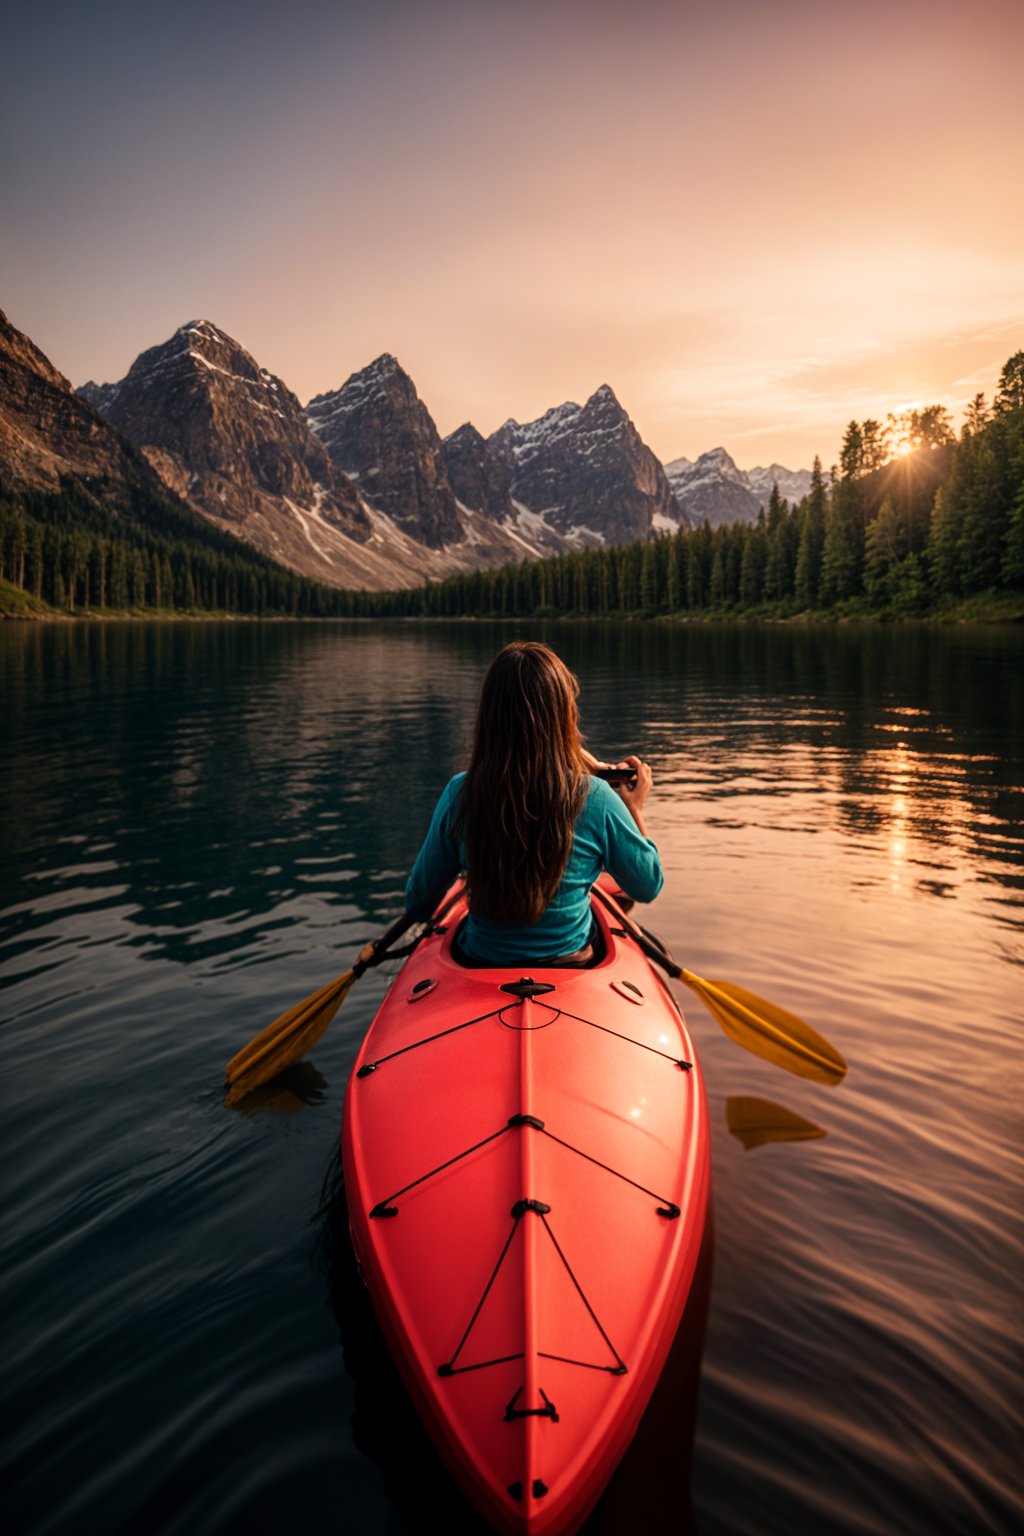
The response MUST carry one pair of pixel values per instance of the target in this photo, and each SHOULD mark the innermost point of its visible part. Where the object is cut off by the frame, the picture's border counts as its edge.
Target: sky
(754, 219)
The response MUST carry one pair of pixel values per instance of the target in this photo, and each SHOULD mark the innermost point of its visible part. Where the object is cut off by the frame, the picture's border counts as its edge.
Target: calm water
(201, 823)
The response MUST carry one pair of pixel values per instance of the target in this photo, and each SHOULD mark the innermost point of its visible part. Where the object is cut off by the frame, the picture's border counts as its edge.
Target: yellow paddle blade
(755, 1121)
(286, 1040)
(769, 1031)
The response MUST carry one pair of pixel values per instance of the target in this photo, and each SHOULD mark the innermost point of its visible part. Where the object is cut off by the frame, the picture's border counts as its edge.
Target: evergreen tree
(843, 547)
(930, 427)
(977, 416)
(811, 541)
(874, 446)
(648, 578)
(718, 590)
(753, 560)
(675, 576)
(1013, 553)
(1010, 390)
(973, 532)
(778, 572)
(698, 569)
(851, 454)
(885, 547)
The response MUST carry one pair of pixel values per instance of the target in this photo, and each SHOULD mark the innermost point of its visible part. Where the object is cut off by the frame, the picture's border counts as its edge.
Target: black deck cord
(620, 1366)
(684, 1066)
(644, 941)
(371, 1066)
(668, 1208)
(449, 1368)
(384, 1207)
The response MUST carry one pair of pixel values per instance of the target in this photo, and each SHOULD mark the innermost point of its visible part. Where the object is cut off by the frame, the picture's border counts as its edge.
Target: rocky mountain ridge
(48, 434)
(588, 472)
(712, 487)
(233, 441)
(358, 489)
(380, 434)
(478, 476)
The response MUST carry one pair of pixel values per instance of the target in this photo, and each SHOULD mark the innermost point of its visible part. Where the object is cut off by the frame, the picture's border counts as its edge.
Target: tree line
(943, 520)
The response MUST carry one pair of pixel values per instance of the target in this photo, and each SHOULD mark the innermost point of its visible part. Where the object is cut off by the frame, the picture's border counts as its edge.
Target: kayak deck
(528, 1176)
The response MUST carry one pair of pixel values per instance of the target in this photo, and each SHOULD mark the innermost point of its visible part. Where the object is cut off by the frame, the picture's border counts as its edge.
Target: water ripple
(839, 814)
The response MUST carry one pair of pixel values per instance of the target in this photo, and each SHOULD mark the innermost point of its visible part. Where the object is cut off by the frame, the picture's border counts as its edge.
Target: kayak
(526, 1155)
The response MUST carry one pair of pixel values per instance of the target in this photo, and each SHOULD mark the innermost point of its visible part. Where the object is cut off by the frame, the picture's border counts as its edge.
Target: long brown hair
(525, 784)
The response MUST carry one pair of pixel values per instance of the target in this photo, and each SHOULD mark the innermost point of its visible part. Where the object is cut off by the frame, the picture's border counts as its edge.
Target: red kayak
(527, 1168)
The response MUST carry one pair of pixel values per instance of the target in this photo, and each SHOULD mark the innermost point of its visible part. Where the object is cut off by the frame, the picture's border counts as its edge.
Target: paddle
(298, 1029)
(759, 1026)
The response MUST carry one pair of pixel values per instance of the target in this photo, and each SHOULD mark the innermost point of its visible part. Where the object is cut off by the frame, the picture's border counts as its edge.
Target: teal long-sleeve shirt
(605, 836)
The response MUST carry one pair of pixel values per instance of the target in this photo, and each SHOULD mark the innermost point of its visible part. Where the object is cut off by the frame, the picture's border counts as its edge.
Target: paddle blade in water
(295, 1088)
(755, 1121)
(286, 1040)
(768, 1030)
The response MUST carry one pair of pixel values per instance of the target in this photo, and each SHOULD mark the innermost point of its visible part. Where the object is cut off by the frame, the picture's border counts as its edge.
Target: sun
(902, 449)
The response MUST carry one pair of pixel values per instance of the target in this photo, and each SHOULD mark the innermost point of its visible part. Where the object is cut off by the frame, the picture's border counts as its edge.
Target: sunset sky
(755, 219)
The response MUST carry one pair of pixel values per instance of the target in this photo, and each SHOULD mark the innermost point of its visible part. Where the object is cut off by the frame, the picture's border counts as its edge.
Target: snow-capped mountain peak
(713, 487)
(586, 468)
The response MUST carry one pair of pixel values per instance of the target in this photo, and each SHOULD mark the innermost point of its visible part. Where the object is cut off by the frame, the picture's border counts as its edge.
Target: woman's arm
(437, 862)
(631, 857)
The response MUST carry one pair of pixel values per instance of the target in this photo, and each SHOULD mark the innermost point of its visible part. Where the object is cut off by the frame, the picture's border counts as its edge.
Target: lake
(203, 822)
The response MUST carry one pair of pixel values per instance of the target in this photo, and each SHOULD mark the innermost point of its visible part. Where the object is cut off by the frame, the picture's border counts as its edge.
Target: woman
(529, 824)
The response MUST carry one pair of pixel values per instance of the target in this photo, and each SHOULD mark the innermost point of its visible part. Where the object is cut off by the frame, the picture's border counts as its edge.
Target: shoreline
(1005, 612)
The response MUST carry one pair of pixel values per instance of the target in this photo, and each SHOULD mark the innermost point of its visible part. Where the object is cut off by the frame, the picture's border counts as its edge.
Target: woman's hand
(635, 793)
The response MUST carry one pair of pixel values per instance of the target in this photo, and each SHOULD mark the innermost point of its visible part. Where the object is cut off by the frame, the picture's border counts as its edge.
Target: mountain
(478, 476)
(232, 441)
(87, 523)
(793, 484)
(378, 431)
(587, 473)
(452, 496)
(47, 433)
(579, 475)
(714, 488)
(359, 489)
